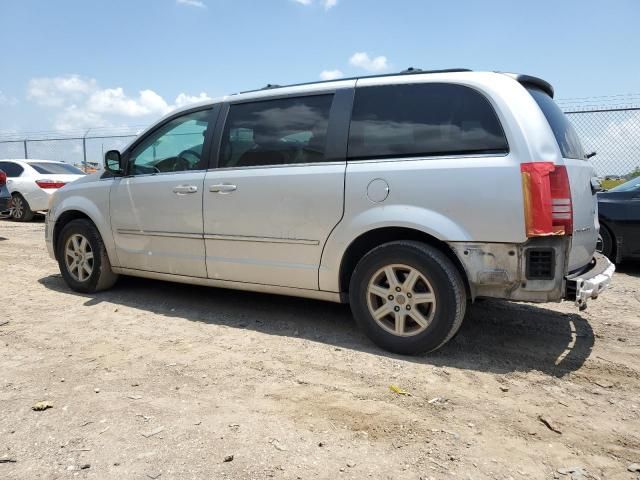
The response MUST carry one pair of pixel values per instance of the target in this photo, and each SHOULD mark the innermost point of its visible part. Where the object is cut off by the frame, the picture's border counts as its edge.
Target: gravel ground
(162, 380)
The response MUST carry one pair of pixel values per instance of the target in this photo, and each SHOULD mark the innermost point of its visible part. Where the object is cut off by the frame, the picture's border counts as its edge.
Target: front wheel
(605, 243)
(408, 297)
(82, 258)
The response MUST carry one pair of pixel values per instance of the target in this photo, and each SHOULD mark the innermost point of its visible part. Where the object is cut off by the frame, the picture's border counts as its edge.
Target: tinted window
(566, 136)
(276, 132)
(55, 168)
(423, 119)
(174, 147)
(11, 169)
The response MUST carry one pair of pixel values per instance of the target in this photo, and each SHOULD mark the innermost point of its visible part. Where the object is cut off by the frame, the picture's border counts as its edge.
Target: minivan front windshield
(633, 184)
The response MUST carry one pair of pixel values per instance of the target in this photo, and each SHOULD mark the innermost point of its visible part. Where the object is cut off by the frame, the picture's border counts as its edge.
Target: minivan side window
(174, 147)
(566, 135)
(426, 119)
(276, 132)
(12, 170)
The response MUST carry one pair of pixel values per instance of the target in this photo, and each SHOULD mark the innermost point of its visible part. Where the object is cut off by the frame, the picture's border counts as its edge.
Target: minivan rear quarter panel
(457, 198)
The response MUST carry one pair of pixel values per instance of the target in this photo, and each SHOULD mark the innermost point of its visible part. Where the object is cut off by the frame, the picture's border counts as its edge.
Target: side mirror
(113, 162)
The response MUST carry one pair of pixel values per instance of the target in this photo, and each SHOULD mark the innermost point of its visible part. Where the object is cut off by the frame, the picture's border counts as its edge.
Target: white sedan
(31, 183)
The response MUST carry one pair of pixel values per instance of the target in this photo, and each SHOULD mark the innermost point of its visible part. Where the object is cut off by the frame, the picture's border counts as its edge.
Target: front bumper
(589, 283)
(5, 203)
(48, 235)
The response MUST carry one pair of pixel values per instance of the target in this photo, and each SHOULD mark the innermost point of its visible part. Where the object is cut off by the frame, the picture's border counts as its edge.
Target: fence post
(84, 154)
(26, 153)
(84, 150)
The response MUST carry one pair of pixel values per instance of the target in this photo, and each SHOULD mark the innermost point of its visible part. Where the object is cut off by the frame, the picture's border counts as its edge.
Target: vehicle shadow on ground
(630, 267)
(497, 337)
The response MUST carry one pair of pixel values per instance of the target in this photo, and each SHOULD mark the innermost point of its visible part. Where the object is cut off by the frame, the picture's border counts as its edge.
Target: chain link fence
(613, 133)
(84, 152)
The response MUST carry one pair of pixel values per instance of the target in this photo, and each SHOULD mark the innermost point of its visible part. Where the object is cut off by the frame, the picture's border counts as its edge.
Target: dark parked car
(5, 196)
(619, 213)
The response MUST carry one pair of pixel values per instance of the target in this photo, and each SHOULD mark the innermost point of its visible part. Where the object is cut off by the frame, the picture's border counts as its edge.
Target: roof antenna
(411, 70)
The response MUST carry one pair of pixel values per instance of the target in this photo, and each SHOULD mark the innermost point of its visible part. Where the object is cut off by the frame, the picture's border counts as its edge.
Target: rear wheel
(82, 258)
(408, 297)
(20, 210)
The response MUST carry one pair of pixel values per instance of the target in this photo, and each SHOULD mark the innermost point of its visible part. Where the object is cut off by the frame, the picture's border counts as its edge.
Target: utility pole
(84, 150)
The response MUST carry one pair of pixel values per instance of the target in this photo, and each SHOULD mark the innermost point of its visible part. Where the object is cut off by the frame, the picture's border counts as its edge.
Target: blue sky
(74, 64)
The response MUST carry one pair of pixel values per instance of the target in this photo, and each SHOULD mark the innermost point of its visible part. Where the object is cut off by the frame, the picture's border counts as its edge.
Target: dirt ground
(161, 380)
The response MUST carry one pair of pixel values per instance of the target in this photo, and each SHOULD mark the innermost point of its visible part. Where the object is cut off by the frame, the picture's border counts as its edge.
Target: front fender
(93, 204)
(403, 216)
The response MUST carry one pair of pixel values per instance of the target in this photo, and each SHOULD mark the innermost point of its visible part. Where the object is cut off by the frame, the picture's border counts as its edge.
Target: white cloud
(327, 4)
(75, 118)
(192, 3)
(362, 60)
(4, 100)
(84, 104)
(115, 101)
(183, 99)
(56, 91)
(331, 74)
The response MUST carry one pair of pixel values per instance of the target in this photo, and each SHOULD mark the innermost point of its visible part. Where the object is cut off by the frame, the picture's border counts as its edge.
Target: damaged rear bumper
(534, 271)
(589, 283)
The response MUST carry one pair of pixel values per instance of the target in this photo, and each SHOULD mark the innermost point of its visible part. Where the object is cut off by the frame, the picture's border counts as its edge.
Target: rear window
(565, 134)
(425, 119)
(11, 169)
(55, 168)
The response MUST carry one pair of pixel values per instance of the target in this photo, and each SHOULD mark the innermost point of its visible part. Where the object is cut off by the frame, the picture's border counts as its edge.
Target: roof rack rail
(408, 71)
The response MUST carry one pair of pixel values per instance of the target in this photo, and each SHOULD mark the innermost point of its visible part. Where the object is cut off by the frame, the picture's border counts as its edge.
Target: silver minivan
(408, 196)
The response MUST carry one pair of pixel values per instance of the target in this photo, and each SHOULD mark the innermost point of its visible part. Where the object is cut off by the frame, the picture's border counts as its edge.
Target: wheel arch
(63, 220)
(367, 241)
(74, 212)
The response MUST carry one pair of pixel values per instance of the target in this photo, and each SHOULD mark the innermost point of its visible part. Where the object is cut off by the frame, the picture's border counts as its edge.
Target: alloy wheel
(78, 257)
(401, 300)
(17, 207)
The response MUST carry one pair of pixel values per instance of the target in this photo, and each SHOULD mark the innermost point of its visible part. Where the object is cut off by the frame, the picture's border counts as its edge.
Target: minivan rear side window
(565, 134)
(426, 119)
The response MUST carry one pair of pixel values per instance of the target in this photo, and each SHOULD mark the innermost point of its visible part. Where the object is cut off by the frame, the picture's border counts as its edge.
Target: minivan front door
(156, 211)
(278, 191)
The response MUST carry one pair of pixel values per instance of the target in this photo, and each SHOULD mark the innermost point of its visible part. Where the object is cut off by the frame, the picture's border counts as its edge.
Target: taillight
(547, 199)
(3, 178)
(561, 206)
(49, 184)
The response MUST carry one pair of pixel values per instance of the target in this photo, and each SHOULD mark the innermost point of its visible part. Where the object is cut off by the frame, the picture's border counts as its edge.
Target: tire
(606, 242)
(20, 210)
(438, 296)
(71, 248)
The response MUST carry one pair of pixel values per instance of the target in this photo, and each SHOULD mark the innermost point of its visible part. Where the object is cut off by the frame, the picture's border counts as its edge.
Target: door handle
(184, 189)
(222, 188)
